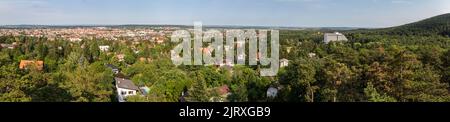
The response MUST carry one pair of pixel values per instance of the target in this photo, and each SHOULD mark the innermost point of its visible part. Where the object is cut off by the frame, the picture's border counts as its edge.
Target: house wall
(115, 71)
(284, 63)
(333, 37)
(121, 96)
(326, 39)
(127, 91)
(104, 48)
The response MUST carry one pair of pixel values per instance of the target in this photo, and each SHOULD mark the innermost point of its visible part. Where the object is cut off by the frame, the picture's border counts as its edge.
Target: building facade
(331, 37)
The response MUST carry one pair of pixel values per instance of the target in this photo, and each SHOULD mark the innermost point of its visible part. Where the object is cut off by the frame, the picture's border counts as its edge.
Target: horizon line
(210, 25)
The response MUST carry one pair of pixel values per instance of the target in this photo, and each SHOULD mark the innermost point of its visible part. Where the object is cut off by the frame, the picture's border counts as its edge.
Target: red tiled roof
(25, 63)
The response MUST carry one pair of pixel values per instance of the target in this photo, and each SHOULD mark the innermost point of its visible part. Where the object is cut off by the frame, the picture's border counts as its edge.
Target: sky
(289, 13)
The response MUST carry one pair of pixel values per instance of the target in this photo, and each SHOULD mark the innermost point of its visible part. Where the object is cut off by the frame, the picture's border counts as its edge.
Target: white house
(311, 55)
(104, 48)
(75, 39)
(331, 37)
(284, 62)
(125, 88)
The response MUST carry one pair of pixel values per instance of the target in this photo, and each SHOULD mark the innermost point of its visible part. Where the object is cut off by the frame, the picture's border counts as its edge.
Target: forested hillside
(438, 25)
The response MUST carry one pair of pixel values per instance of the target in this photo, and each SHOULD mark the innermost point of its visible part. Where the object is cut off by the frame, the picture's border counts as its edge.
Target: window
(123, 93)
(130, 92)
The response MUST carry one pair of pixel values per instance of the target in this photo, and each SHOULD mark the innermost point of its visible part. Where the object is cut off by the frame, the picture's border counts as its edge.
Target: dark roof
(112, 66)
(125, 83)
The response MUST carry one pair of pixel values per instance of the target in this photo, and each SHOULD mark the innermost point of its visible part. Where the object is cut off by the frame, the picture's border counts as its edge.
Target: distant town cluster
(76, 34)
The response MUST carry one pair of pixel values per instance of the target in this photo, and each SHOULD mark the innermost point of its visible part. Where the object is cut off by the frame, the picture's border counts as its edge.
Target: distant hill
(438, 25)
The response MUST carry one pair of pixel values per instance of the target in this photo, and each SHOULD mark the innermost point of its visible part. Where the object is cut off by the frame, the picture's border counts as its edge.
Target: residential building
(284, 62)
(114, 69)
(25, 64)
(311, 55)
(104, 48)
(331, 37)
(125, 88)
(75, 39)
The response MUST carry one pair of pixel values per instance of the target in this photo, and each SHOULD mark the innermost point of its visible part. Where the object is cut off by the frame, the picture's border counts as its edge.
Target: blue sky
(298, 13)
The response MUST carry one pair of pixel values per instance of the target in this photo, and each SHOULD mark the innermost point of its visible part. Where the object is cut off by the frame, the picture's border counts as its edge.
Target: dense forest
(409, 63)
